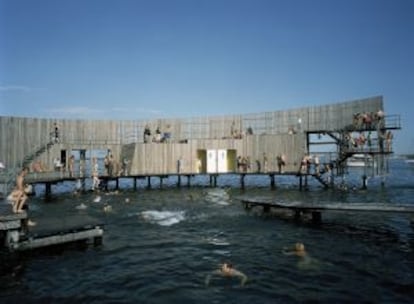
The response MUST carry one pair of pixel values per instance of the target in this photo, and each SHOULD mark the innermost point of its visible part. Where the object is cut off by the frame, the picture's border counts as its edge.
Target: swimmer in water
(227, 270)
(305, 262)
(298, 250)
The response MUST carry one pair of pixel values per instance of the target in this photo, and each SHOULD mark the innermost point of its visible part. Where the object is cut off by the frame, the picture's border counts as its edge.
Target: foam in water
(163, 218)
(218, 196)
(82, 206)
(97, 199)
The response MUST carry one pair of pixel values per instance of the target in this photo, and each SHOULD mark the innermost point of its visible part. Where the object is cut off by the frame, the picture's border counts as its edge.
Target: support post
(48, 189)
(117, 183)
(135, 183)
(364, 182)
(179, 181)
(149, 182)
(306, 182)
(316, 217)
(188, 180)
(242, 176)
(272, 181)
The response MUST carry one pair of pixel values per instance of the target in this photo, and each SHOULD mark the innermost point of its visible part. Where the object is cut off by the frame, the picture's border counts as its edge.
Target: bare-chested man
(227, 270)
(18, 195)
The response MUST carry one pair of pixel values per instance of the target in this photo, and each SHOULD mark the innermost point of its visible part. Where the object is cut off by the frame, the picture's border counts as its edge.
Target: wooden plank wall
(22, 136)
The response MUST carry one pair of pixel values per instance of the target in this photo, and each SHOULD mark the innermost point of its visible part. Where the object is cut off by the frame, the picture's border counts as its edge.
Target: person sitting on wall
(37, 167)
(157, 137)
(147, 134)
(57, 164)
(167, 135)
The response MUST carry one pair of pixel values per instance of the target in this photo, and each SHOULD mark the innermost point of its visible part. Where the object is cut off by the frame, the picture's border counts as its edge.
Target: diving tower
(211, 145)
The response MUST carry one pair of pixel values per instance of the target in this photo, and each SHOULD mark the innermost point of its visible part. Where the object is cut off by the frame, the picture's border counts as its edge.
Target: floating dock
(316, 209)
(16, 235)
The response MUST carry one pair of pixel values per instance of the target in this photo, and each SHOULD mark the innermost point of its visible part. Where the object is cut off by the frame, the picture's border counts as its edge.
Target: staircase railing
(8, 176)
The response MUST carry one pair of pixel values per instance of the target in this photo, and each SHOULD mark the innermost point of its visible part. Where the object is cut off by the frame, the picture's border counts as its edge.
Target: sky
(148, 59)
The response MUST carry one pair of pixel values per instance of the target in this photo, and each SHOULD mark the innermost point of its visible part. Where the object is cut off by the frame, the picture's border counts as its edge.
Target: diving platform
(276, 142)
(316, 209)
(17, 235)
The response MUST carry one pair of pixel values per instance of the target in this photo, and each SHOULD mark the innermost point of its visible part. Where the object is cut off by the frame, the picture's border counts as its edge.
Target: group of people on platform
(244, 164)
(369, 120)
(158, 137)
(384, 141)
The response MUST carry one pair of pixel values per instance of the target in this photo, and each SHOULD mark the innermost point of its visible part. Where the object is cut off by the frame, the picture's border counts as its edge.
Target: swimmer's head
(300, 250)
(299, 247)
(226, 267)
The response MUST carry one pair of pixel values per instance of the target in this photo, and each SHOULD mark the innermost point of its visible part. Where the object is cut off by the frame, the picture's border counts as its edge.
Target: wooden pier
(209, 146)
(16, 235)
(316, 209)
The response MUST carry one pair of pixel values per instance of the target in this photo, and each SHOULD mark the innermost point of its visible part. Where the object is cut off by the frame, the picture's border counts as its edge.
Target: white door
(222, 161)
(211, 161)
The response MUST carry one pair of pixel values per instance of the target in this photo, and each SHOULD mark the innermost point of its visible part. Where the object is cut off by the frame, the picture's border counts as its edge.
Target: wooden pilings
(213, 180)
(48, 189)
(272, 181)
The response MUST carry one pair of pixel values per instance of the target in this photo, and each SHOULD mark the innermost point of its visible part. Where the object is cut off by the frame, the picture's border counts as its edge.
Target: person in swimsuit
(227, 270)
(305, 261)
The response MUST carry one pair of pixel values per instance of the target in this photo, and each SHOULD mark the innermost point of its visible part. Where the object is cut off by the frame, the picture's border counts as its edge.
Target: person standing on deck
(95, 174)
(265, 161)
(316, 163)
(71, 165)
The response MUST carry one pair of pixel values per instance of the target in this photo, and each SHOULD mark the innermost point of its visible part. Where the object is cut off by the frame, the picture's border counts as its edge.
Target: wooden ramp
(317, 208)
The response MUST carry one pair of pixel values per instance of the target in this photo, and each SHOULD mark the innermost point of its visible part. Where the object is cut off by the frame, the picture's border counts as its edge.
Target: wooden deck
(317, 208)
(17, 236)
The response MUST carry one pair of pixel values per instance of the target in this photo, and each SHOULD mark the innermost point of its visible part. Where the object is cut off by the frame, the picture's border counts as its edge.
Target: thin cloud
(89, 112)
(19, 88)
(15, 88)
(76, 110)
(135, 110)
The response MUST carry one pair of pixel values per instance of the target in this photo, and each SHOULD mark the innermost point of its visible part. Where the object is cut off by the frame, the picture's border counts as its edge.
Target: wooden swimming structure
(270, 143)
(316, 208)
(17, 235)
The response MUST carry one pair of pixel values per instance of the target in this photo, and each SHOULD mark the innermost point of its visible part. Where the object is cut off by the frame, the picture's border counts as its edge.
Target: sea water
(160, 244)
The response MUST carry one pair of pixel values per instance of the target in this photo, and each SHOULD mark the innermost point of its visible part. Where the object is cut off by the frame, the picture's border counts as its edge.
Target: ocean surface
(160, 245)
